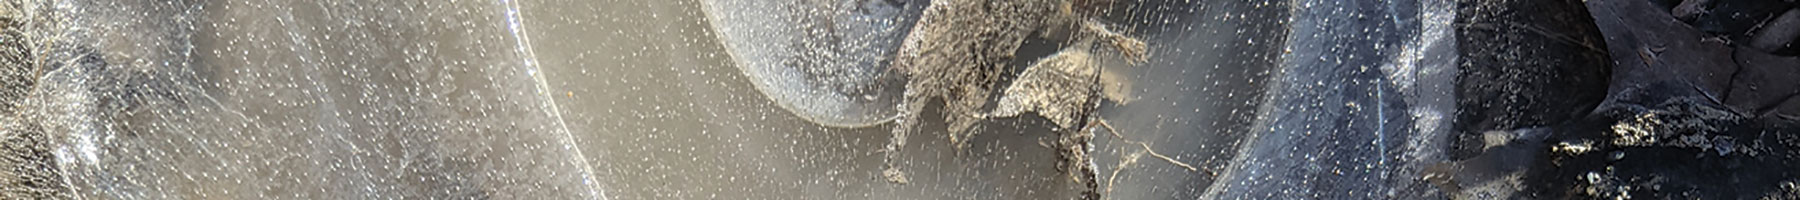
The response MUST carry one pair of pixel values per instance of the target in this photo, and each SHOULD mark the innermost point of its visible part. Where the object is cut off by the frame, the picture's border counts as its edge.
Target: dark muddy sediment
(1649, 99)
(1698, 107)
(1525, 65)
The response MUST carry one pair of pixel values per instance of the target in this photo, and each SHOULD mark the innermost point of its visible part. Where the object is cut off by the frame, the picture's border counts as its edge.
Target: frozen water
(1350, 113)
(574, 99)
(285, 99)
(826, 61)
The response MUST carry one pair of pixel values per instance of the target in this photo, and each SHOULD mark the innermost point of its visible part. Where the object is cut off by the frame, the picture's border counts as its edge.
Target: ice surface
(288, 99)
(1344, 114)
(826, 61)
(573, 99)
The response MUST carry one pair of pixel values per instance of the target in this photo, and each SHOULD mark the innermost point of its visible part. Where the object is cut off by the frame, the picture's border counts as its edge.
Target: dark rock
(1766, 86)
(1687, 10)
(1778, 33)
(1736, 18)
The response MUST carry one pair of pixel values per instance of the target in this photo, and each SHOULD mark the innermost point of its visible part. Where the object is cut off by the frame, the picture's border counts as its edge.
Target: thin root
(1127, 162)
(1153, 153)
(1147, 149)
(1132, 158)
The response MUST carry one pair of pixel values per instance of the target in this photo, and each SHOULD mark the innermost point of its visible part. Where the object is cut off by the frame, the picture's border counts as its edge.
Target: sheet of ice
(826, 61)
(1351, 111)
(250, 99)
(353, 99)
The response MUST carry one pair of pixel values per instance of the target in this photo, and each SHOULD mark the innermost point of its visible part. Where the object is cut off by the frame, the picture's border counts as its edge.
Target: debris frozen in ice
(960, 51)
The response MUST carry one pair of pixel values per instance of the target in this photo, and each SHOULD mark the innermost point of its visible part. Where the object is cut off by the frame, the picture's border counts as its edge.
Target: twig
(1129, 159)
(1110, 129)
(1153, 153)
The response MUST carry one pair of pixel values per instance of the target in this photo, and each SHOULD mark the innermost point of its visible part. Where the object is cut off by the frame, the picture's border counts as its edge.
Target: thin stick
(1128, 161)
(1190, 168)
(1171, 160)
(1111, 130)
